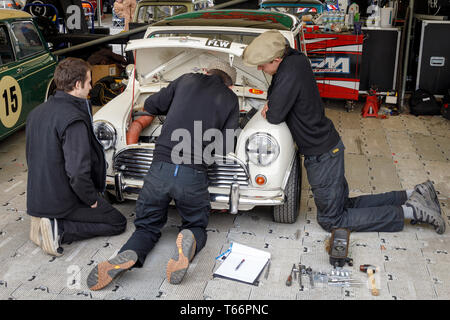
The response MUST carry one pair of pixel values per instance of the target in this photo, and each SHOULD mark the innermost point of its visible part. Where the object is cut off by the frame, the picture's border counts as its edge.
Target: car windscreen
(152, 13)
(26, 39)
(231, 36)
(6, 52)
(298, 11)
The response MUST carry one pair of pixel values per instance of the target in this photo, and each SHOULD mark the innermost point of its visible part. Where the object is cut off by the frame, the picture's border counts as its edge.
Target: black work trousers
(86, 222)
(379, 212)
(188, 187)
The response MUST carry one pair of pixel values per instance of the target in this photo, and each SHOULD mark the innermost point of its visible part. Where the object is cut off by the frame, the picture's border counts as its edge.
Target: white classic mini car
(264, 169)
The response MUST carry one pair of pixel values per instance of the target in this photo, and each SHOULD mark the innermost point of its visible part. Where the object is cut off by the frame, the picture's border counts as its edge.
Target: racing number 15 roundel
(10, 101)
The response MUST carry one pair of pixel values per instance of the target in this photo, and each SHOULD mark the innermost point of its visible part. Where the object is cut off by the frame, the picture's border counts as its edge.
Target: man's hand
(264, 110)
(94, 205)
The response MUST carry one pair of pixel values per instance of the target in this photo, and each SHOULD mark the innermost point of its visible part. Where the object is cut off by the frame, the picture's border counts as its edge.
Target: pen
(240, 263)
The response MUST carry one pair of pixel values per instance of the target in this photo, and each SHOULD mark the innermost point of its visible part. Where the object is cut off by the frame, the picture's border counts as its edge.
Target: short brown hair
(69, 71)
(225, 77)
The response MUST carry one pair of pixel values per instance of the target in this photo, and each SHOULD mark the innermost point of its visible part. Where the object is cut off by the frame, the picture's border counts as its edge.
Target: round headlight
(105, 133)
(262, 149)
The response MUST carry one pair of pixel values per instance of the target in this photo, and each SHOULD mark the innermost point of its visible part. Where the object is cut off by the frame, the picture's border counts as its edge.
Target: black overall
(294, 98)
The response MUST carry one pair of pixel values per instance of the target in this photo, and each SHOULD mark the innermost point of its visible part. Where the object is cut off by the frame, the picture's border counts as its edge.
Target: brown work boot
(179, 263)
(51, 239)
(35, 230)
(105, 272)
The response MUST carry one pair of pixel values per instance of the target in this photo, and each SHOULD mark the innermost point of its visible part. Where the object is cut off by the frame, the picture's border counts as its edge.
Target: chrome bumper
(233, 201)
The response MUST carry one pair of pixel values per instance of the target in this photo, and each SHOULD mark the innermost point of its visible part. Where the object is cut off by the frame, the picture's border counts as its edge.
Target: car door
(37, 64)
(11, 83)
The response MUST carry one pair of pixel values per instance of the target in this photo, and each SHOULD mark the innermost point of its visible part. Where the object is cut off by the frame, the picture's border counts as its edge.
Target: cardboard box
(101, 71)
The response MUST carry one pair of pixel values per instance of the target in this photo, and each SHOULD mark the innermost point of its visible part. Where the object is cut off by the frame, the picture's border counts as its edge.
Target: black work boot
(424, 212)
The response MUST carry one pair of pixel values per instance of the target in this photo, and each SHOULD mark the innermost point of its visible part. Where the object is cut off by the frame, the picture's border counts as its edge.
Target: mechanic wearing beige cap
(293, 97)
(190, 99)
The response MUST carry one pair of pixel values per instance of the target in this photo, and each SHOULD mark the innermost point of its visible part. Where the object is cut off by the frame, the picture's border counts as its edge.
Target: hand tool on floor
(370, 270)
(289, 279)
(345, 283)
(267, 270)
(302, 271)
(295, 270)
(309, 272)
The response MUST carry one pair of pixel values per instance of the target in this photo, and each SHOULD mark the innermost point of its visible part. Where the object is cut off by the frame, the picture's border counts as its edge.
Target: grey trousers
(379, 212)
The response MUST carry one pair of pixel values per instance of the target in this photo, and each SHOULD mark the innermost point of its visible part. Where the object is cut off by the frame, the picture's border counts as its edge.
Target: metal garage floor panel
(394, 124)
(427, 148)
(357, 172)
(350, 120)
(383, 174)
(352, 139)
(370, 123)
(381, 155)
(438, 126)
(375, 143)
(410, 171)
(224, 289)
(417, 125)
(439, 173)
(401, 144)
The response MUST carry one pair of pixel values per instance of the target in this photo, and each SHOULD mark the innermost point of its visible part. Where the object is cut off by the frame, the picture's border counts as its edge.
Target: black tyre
(288, 212)
(109, 197)
(43, 11)
(103, 91)
(101, 30)
(51, 90)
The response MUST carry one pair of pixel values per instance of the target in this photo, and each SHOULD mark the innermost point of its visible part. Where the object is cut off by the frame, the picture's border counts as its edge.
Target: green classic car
(26, 69)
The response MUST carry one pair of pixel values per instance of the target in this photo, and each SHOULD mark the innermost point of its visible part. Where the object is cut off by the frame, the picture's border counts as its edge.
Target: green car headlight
(105, 133)
(262, 149)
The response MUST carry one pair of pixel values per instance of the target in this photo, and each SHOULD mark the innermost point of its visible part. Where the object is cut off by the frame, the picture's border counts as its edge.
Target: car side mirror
(129, 70)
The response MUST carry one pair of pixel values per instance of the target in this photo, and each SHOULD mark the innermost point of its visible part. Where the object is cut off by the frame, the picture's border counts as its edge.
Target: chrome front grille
(135, 163)
(223, 175)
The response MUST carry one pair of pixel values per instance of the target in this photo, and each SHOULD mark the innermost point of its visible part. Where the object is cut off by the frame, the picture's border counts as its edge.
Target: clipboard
(248, 271)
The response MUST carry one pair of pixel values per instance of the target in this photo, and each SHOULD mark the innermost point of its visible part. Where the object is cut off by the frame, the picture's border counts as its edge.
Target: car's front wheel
(51, 90)
(288, 212)
(109, 197)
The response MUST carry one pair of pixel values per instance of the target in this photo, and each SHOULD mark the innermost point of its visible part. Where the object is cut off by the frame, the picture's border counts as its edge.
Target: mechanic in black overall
(191, 99)
(66, 166)
(293, 97)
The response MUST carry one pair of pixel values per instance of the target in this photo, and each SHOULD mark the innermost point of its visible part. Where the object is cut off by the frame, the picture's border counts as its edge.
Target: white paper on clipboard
(248, 272)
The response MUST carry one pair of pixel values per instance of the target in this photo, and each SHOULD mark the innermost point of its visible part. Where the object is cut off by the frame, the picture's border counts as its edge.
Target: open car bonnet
(166, 58)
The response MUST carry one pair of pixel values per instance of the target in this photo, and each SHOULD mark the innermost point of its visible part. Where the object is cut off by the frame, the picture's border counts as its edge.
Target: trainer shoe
(51, 239)
(105, 272)
(179, 263)
(427, 190)
(425, 213)
(35, 230)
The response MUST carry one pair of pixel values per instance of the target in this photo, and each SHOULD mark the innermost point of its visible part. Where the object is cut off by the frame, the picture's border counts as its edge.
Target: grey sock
(409, 193)
(408, 212)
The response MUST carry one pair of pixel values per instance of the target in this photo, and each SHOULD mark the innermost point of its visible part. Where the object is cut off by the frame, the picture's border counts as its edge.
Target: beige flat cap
(225, 67)
(264, 48)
